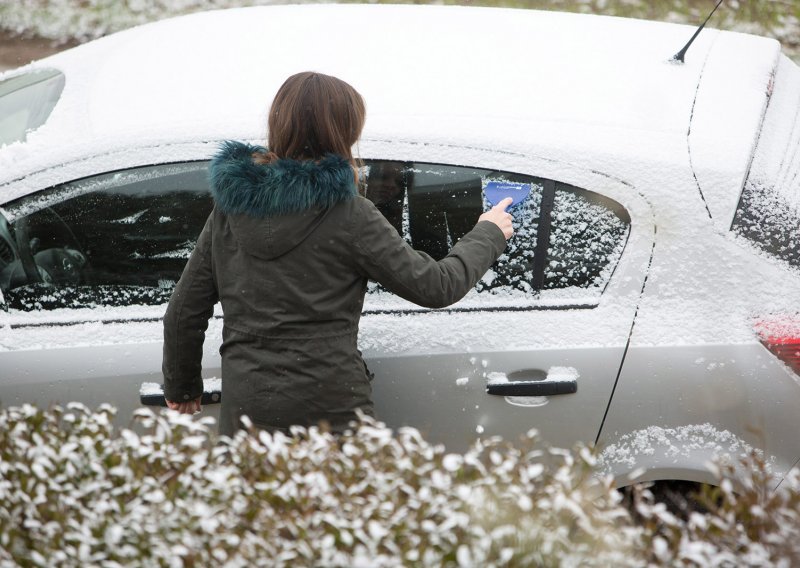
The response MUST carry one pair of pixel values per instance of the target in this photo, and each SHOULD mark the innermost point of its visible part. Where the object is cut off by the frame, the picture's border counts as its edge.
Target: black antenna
(679, 56)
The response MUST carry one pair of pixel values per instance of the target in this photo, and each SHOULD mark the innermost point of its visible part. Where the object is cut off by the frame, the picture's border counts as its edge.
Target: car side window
(116, 239)
(588, 232)
(565, 237)
(123, 238)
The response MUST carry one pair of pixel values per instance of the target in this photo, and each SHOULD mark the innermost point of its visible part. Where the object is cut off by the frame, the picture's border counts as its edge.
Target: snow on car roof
(557, 85)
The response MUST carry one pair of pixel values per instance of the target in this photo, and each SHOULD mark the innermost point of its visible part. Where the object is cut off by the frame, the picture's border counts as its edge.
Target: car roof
(555, 84)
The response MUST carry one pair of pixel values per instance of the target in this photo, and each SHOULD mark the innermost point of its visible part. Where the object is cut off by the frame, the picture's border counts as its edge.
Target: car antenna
(679, 56)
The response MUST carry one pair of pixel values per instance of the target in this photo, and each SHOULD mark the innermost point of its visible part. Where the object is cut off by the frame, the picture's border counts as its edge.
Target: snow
(131, 219)
(778, 329)
(210, 385)
(109, 181)
(720, 163)
(669, 444)
(562, 374)
(443, 332)
(210, 99)
(150, 389)
(184, 250)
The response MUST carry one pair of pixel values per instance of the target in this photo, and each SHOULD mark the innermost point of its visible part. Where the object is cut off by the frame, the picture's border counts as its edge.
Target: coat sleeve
(186, 321)
(387, 258)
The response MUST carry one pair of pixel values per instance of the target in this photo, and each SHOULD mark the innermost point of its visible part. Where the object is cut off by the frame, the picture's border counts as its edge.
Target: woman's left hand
(191, 407)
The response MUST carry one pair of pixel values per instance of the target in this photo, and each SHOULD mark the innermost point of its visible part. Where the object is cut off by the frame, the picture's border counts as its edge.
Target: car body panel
(446, 398)
(739, 397)
(92, 362)
(695, 338)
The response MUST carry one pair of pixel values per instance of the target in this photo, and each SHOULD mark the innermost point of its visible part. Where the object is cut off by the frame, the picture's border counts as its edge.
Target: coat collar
(240, 186)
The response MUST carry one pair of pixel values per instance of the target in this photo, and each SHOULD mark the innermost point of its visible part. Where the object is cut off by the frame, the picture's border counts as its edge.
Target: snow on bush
(64, 20)
(75, 492)
(744, 521)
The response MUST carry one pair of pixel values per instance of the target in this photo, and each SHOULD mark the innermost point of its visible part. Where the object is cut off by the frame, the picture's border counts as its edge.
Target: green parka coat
(287, 251)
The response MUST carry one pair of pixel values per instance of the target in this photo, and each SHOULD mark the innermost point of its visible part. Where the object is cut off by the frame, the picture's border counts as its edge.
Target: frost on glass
(586, 240)
(432, 206)
(512, 274)
(114, 240)
(768, 214)
(48, 297)
(131, 219)
(770, 219)
(182, 251)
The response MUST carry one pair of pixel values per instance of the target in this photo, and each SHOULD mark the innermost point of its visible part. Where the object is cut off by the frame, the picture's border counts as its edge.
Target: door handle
(535, 382)
(152, 394)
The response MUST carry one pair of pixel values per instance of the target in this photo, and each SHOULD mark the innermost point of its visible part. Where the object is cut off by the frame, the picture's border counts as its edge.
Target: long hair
(313, 115)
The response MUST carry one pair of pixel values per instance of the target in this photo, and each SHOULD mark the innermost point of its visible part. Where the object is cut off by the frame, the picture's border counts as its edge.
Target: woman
(288, 250)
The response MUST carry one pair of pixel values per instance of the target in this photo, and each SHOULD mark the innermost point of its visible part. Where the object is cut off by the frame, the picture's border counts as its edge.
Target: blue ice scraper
(496, 191)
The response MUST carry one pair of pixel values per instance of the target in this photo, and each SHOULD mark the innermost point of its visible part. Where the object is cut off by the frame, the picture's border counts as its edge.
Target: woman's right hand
(500, 217)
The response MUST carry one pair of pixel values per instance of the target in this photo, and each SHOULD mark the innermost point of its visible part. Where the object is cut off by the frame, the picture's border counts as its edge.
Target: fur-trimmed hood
(273, 207)
(239, 185)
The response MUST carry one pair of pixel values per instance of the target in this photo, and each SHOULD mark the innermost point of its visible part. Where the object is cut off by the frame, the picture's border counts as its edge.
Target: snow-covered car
(648, 302)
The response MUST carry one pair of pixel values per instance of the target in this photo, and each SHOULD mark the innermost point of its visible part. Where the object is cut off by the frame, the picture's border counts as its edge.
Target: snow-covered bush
(744, 521)
(64, 20)
(75, 492)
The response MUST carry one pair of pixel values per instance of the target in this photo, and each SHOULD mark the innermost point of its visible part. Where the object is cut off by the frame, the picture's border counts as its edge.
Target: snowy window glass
(116, 239)
(768, 215)
(586, 239)
(770, 219)
(432, 206)
(26, 102)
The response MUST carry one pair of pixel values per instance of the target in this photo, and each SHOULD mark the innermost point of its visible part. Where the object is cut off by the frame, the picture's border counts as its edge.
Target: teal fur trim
(239, 185)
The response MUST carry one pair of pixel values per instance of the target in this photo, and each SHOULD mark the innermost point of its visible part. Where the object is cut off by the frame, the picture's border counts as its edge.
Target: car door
(112, 246)
(86, 268)
(539, 342)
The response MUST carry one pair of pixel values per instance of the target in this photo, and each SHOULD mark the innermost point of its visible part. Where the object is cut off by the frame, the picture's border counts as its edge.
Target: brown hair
(313, 115)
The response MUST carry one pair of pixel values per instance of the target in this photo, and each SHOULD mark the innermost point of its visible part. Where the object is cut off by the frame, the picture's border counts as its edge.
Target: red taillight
(782, 337)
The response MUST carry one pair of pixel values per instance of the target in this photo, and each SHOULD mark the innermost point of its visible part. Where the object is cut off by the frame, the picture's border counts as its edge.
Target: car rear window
(768, 214)
(26, 102)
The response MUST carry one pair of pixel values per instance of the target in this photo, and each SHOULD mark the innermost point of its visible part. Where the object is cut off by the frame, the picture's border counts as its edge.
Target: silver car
(648, 302)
